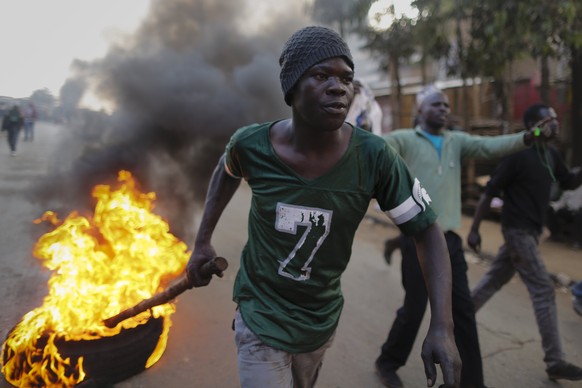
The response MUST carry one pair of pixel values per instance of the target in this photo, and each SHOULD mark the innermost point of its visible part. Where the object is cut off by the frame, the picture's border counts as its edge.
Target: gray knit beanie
(427, 91)
(307, 47)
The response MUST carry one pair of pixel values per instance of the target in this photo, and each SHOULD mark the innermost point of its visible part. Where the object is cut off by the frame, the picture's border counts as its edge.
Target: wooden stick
(213, 267)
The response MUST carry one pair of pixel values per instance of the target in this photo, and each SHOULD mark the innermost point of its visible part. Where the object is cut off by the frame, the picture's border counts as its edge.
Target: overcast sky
(40, 38)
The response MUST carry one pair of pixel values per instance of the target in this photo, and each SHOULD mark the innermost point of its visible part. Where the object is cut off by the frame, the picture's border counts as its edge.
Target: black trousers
(13, 138)
(397, 348)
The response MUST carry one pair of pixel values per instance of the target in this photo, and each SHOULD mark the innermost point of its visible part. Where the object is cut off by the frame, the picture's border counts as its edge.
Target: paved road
(200, 350)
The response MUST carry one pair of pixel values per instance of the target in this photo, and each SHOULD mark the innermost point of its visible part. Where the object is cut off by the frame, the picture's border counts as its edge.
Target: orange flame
(100, 266)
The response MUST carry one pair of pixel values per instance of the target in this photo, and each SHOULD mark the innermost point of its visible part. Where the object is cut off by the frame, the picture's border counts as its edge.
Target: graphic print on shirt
(312, 226)
(420, 195)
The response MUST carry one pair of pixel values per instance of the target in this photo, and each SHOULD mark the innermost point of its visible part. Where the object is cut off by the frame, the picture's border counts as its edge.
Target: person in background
(524, 182)
(29, 115)
(312, 177)
(392, 244)
(365, 112)
(433, 154)
(12, 123)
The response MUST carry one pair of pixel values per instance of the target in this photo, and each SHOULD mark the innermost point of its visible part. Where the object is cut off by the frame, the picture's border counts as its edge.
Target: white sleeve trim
(404, 212)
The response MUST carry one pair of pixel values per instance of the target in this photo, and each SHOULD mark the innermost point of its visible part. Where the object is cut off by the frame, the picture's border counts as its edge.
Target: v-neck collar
(304, 180)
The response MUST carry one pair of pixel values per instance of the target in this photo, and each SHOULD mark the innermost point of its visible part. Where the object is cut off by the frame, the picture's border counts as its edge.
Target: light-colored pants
(520, 254)
(260, 365)
(28, 130)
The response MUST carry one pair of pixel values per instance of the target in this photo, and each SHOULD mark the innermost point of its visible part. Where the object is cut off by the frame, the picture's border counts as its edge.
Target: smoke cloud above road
(193, 72)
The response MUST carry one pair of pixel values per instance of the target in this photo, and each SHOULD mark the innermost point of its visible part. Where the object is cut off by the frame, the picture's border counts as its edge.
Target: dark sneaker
(564, 371)
(388, 377)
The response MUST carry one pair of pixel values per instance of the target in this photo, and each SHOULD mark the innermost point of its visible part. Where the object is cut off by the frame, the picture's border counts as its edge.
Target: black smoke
(194, 72)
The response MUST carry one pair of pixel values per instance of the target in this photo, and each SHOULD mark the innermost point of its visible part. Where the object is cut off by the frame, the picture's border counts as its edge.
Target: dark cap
(307, 47)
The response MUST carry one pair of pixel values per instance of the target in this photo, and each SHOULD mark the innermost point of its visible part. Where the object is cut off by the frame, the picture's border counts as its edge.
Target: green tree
(488, 37)
(553, 31)
(391, 47)
(431, 32)
(498, 38)
(544, 22)
(425, 34)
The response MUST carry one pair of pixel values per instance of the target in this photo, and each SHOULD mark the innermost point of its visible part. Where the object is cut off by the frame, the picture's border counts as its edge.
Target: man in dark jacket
(524, 181)
(12, 123)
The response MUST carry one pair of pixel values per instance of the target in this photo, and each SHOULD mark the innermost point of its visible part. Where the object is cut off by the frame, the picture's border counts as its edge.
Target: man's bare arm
(220, 191)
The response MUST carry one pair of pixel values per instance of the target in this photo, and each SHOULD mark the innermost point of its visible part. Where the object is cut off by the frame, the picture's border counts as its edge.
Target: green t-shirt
(300, 232)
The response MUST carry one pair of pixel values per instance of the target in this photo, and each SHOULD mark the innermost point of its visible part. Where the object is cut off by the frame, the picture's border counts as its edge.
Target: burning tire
(106, 360)
(109, 360)
(121, 253)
